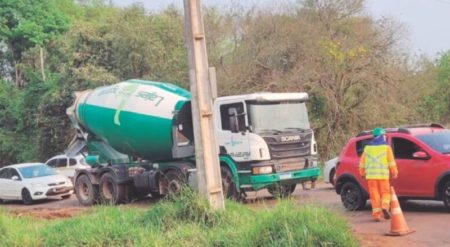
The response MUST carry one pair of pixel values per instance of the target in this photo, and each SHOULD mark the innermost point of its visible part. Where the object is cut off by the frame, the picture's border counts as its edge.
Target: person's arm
(362, 168)
(391, 161)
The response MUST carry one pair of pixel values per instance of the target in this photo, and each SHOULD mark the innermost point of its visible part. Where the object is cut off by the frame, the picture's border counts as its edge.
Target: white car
(67, 166)
(32, 181)
(329, 170)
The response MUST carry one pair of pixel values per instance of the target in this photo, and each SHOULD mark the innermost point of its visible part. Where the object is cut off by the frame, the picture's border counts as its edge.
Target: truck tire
(110, 191)
(352, 197)
(281, 191)
(86, 192)
(172, 182)
(228, 185)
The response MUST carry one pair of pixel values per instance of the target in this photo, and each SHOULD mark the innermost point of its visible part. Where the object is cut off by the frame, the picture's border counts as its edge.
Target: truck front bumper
(256, 182)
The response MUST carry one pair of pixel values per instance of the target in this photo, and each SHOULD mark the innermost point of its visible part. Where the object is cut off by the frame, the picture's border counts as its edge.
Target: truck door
(232, 134)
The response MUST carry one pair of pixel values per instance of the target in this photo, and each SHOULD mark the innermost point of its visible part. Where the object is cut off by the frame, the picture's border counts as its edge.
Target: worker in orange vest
(377, 164)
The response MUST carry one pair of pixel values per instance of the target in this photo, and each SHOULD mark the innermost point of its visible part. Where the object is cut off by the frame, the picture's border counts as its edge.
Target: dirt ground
(429, 219)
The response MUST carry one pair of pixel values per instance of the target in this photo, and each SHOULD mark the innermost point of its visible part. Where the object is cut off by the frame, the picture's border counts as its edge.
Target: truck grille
(289, 167)
(289, 150)
(289, 145)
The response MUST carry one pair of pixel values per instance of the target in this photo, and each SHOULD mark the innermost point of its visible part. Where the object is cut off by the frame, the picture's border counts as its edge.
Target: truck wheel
(26, 197)
(228, 184)
(352, 197)
(87, 194)
(281, 191)
(172, 182)
(110, 191)
(446, 195)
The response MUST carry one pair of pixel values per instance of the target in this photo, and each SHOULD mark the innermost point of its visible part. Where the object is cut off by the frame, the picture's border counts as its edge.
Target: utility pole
(206, 149)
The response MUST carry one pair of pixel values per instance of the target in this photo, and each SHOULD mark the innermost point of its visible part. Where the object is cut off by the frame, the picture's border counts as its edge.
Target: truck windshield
(439, 141)
(278, 116)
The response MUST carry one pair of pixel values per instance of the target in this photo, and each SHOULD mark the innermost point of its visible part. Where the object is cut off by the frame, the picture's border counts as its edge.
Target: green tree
(25, 24)
(436, 105)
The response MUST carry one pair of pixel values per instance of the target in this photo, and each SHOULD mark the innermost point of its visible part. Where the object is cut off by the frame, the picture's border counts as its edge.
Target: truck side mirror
(233, 120)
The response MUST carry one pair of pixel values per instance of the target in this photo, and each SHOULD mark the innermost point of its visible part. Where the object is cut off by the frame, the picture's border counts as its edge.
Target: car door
(413, 177)
(9, 184)
(62, 166)
(3, 183)
(73, 165)
(16, 185)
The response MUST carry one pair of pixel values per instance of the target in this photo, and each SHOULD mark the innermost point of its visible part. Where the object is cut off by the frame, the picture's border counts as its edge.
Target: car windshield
(439, 141)
(278, 116)
(38, 170)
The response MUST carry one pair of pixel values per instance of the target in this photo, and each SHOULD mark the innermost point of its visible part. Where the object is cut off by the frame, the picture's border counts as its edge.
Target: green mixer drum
(135, 117)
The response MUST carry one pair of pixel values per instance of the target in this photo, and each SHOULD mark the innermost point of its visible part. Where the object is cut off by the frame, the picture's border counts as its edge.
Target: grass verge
(184, 221)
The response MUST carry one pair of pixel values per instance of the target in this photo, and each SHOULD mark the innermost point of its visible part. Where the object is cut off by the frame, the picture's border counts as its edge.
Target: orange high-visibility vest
(377, 162)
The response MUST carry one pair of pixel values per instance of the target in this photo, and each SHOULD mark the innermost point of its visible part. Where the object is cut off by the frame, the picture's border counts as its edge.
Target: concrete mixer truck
(138, 139)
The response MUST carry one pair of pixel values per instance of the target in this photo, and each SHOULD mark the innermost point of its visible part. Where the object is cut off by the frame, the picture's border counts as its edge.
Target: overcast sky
(427, 21)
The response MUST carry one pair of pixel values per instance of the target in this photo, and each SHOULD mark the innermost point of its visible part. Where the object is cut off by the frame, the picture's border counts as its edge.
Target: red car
(422, 153)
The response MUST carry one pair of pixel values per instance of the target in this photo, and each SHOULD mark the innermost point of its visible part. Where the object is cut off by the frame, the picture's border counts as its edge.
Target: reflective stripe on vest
(376, 164)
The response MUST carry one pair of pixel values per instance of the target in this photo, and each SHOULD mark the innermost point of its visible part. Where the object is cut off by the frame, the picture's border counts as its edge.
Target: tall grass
(183, 221)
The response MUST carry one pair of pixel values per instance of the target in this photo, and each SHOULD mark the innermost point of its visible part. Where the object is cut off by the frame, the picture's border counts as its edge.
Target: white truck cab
(266, 129)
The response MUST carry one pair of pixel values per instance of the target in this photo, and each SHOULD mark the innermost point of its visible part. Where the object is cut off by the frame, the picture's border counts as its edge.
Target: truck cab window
(232, 114)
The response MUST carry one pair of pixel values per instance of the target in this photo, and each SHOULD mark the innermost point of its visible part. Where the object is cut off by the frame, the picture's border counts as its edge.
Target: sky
(427, 22)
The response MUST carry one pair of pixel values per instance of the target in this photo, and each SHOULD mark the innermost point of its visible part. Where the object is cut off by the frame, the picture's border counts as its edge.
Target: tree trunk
(42, 63)
(17, 74)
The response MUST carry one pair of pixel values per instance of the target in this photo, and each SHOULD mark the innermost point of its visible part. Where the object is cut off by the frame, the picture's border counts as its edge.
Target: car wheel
(281, 191)
(26, 197)
(352, 197)
(446, 195)
(172, 182)
(228, 185)
(110, 191)
(332, 173)
(87, 194)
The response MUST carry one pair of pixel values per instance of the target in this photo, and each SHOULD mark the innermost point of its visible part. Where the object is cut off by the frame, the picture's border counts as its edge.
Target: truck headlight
(262, 169)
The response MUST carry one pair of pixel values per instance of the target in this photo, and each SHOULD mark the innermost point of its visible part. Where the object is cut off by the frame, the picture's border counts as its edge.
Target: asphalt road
(428, 218)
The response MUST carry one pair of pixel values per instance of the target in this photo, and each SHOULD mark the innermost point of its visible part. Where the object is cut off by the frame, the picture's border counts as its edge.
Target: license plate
(285, 176)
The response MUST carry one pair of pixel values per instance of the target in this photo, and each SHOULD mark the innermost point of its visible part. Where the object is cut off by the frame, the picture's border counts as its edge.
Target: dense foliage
(353, 66)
